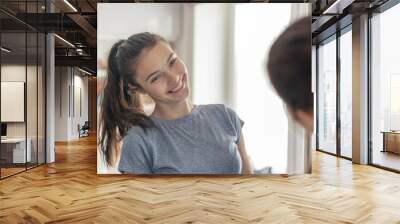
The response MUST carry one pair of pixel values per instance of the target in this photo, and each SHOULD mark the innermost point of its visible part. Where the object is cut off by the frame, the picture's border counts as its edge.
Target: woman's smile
(180, 86)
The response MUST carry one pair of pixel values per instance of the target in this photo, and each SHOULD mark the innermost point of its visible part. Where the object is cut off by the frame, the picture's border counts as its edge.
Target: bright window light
(265, 130)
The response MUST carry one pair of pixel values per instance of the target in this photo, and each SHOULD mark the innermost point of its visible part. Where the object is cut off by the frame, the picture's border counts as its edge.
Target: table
(391, 141)
(13, 150)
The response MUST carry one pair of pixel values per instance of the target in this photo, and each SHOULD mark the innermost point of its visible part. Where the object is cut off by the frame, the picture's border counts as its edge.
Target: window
(327, 96)
(346, 93)
(265, 130)
(385, 89)
(23, 76)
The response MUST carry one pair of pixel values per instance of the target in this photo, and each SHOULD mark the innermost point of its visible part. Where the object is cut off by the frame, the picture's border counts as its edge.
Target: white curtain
(299, 147)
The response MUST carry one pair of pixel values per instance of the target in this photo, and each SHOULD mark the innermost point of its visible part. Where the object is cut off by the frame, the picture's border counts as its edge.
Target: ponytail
(121, 107)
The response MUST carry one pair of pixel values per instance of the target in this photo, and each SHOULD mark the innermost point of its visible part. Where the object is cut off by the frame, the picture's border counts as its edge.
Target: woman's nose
(172, 77)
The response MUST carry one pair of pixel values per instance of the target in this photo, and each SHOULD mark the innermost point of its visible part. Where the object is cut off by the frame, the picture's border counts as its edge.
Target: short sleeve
(134, 157)
(236, 122)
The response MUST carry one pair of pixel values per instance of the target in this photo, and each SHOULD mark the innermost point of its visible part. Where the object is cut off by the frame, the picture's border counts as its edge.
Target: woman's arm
(246, 163)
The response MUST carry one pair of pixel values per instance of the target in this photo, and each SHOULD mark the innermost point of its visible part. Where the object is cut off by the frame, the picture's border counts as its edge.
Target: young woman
(178, 137)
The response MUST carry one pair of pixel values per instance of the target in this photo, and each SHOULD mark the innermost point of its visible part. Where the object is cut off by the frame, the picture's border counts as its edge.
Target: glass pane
(31, 86)
(41, 6)
(13, 85)
(31, 97)
(385, 84)
(346, 94)
(22, 67)
(327, 97)
(41, 98)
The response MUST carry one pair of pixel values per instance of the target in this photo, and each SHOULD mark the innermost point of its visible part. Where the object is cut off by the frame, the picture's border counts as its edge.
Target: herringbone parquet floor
(70, 191)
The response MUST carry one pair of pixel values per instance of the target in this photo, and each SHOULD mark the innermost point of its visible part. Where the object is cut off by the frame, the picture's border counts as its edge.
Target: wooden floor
(10, 171)
(70, 191)
(387, 159)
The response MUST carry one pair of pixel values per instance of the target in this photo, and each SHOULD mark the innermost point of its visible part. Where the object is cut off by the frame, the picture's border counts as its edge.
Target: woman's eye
(157, 77)
(172, 62)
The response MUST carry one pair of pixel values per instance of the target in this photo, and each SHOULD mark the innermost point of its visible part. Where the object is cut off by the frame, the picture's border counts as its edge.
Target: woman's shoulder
(221, 112)
(137, 134)
(219, 108)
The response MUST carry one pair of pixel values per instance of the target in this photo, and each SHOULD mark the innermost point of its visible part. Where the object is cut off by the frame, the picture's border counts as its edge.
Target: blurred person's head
(289, 70)
(145, 63)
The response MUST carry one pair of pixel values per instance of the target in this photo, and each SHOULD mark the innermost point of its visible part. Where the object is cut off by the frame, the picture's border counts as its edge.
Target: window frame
(333, 37)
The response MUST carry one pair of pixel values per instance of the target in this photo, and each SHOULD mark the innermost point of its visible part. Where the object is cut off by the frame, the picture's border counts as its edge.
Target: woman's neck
(172, 112)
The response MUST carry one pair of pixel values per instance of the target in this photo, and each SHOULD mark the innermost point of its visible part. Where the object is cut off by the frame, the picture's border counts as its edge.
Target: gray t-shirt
(203, 142)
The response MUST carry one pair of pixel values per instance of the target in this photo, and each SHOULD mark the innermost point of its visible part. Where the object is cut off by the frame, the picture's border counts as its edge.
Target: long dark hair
(289, 66)
(121, 106)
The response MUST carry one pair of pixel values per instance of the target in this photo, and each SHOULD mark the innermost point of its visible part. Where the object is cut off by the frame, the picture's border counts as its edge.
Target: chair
(84, 130)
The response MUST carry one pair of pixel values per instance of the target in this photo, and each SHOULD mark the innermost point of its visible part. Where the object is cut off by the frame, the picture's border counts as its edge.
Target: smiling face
(162, 74)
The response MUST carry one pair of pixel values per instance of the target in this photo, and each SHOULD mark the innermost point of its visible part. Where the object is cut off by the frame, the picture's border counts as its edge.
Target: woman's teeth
(179, 87)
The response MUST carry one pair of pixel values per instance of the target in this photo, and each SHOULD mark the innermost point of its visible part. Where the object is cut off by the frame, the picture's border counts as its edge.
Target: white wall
(12, 73)
(185, 39)
(80, 83)
(67, 80)
(163, 19)
(50, 95)
(210, 43)
(266, 127)
(61, 103)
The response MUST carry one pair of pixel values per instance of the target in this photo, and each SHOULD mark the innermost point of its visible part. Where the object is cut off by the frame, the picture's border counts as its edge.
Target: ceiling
(328, 16)
(76, 22)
